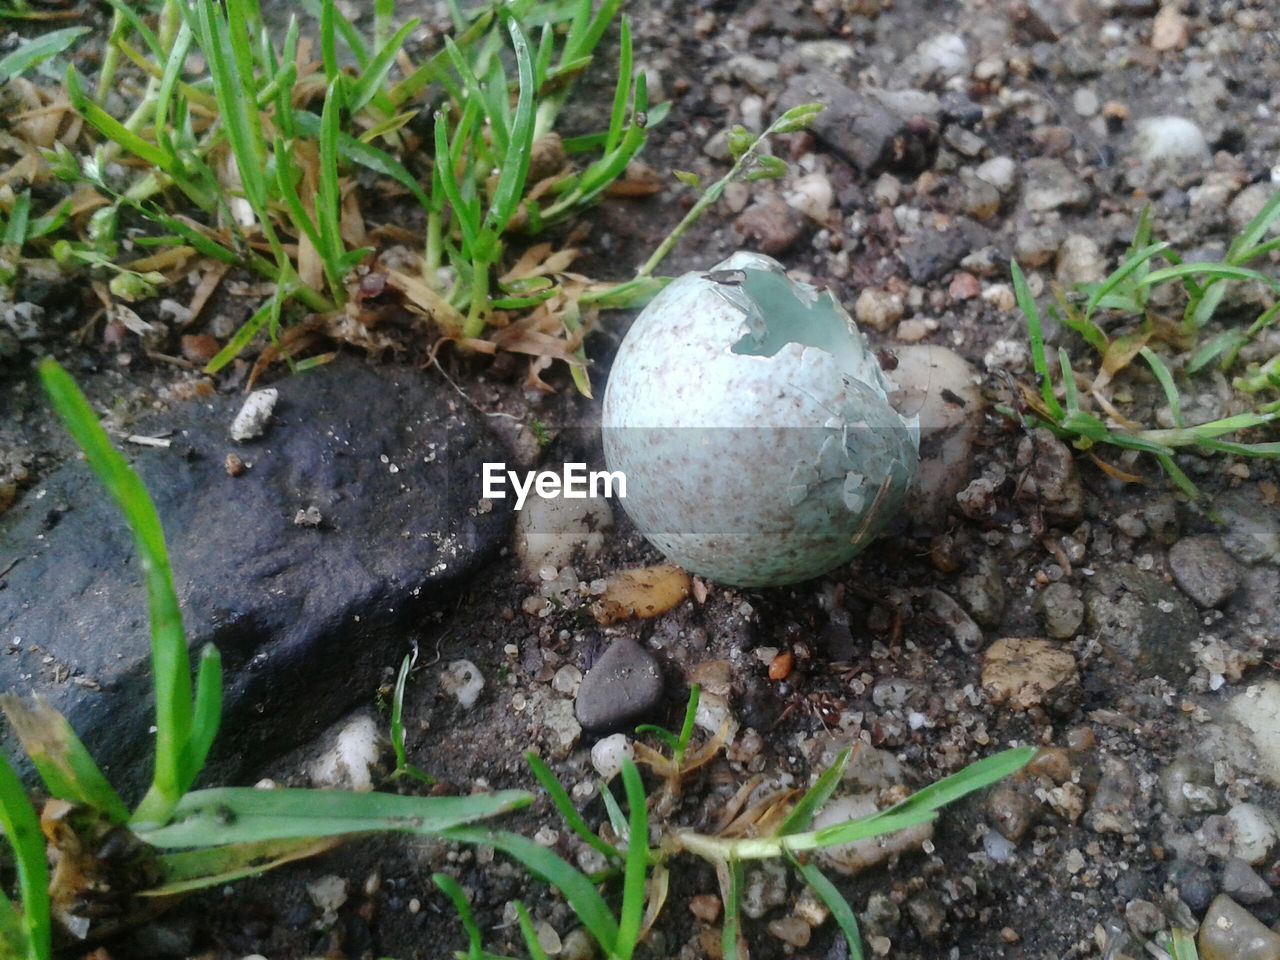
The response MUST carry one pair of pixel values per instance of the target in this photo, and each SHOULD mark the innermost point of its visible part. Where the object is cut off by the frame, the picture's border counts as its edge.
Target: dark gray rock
(1061, 608)
(931, 253)
(1204, 570)
(1144, 623)
(1194, 884)
(624, 684)
(1242, 884)
(305, 617)
(857, 125)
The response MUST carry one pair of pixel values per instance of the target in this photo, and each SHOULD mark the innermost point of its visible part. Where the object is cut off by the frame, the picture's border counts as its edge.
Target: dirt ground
(1048, 868)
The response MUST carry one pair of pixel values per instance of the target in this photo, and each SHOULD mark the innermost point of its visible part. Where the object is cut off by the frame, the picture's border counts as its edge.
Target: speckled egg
(753, 427)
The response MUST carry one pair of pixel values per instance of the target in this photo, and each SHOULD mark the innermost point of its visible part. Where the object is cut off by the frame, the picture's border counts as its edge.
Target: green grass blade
(22, 829)
(328, 194)
(666, 736)
(1180, 479)
(267, 315)
(170, 664)
(172, 74)
(1165, 378)
(838, 905)
(633, 886)
(1184, 948)
(33, 52)
(114, 130)
(530, 935)
(433, 69)
(690, 719)
(451, 888)
(241, 815)
(1039, 362)
(139, 26)
(732, 911)
(448, 182)
(801, 816)
(569, 813)
(67, 769)
(15, 231)
(617, 819)
(515, 166)
(1219, 271)
(1242, 248)
(1070, 395)
(1223, 343)
(14, 942)
(370, 82)
(354, 151)
(1132, 264)
(576, 887)
(621, 92)
(206, 715)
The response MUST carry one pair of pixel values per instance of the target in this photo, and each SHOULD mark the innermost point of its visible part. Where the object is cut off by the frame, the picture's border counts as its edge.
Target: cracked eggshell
(754, 428)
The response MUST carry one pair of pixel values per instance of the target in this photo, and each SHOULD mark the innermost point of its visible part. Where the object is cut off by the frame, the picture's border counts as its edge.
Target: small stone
(983, 594)
(764, 888)
(1248, 203)
(1144, 917)
(964, 286)
(1243, 885)
(980, 199)
(912, 330)
(1170, 30)
(943, 56)
(1144, 624)
(328, 893)
(940, 388)
(928, 916)
(578, 945)
(1085, 102)
(1187, 787)
(349, 756)
(887, 190)
(1053, 483)
(463, 679)
(1036, 246)
(1172, 142)
(1051, 185)
(813, 196)
(1080, 260)
(199, 347)
(1062, 609)
(1204, 570)
(791, 930)
(931, 253)
(964, 142)
(878, 309)
(1257, 709)
(1254, 833)
(624, 684)
(548, 939)
(560, 730)
(1011, 811)
(771, 225)
(566, 680)
(252, 419)
(706, 907)
(1194, 883)
(1112, 808)
(1000, 172)
(1230, 932)
(607, 755)
(1023, 671)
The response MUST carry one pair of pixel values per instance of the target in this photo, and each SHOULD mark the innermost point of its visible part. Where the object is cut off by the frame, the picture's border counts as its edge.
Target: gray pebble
(625, 683)
(1204, 570)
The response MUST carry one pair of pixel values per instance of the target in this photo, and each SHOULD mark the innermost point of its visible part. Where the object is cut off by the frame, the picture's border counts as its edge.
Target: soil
(874, 660)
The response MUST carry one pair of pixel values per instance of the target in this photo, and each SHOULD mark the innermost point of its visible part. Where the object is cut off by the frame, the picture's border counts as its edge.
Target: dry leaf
(642, 593)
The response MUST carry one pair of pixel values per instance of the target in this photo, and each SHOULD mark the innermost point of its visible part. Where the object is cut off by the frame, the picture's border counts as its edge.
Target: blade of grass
(1166, 383)
(243, 815)
(190, 870)
(31, 53)
(732, 908)
(1027, 304)
(576, 887)
(66, 768)
(374, 76)
(171, 668)
(206, 715)
(568, 812)
(631, 915)
(838, 905)
(455, 893)
(530, 935)
(815, 798)
(22, 830)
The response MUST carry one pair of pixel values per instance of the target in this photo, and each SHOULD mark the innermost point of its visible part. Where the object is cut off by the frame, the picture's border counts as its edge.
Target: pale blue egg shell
(753, 470)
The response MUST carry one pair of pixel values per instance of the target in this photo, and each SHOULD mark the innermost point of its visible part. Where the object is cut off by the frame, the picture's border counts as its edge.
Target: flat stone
(623, 685)
(1204, 570)
(1024, 671)
(856, 124)
(1143, 623)
(1049, 184)
(306, 617)
(931, 253)
(1242, 884)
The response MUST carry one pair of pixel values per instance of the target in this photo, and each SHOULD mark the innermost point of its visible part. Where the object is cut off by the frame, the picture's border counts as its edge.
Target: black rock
(624, 684)
(305, 617)
(931, 253)
(1143, 623)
